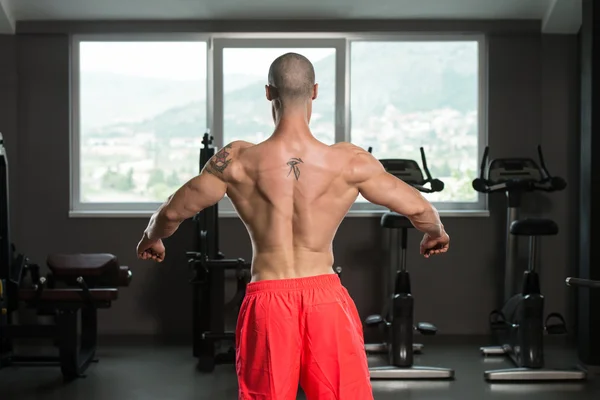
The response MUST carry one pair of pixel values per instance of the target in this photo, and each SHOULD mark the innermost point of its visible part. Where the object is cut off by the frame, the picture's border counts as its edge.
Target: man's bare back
(292, 196)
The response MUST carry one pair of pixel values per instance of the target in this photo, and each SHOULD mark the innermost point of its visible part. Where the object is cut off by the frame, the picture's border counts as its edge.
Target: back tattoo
(293, 163)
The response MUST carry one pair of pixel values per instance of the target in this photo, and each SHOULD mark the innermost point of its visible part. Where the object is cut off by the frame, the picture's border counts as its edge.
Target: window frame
(215, 43)
(76, 206)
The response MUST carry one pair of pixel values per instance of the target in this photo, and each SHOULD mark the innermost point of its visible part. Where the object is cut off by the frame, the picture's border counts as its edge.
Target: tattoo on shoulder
(293, 164)
(219, 161)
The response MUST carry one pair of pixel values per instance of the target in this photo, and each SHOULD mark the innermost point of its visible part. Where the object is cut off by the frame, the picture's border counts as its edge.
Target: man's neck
(292, 123)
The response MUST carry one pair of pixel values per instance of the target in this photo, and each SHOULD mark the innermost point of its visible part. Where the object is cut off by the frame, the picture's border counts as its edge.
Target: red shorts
(306, 331)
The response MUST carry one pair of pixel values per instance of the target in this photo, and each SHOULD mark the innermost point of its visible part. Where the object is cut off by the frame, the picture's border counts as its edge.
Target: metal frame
(400, 346)
(75, 328)
(215, 44)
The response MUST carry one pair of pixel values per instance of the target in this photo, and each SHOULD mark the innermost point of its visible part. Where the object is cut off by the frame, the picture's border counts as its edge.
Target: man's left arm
(197, 194)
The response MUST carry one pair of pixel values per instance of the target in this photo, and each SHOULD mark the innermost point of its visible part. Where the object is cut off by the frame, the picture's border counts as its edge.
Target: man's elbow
(170, 215)
(422, 208)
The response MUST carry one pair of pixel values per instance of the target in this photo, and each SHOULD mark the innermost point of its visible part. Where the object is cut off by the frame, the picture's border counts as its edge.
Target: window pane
(142, 117)
(405, 95)
(246, 111)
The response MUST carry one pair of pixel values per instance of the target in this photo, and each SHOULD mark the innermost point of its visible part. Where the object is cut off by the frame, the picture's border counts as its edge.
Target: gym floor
(148, 371)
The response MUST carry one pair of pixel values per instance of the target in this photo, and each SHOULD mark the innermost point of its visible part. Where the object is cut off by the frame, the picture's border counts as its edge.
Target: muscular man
(297, 323)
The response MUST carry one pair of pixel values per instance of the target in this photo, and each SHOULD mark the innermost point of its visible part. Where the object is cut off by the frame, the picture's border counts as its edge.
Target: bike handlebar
(551, 184)
(548, 183)
(583, 283)
(436, 185)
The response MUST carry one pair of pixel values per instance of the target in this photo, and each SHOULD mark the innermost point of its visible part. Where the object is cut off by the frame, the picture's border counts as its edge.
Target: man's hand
(151, 249)
(431, 246)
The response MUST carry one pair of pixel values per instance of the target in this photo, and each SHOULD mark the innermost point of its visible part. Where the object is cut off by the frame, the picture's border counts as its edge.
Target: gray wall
(560, 139)
(8, 110)
(532, 92)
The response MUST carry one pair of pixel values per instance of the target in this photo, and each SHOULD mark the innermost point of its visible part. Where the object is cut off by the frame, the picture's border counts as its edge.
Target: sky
(179, 60)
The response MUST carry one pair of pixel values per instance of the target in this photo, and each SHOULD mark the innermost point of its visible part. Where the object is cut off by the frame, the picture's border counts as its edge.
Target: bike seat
(392, 220)
(534, 227)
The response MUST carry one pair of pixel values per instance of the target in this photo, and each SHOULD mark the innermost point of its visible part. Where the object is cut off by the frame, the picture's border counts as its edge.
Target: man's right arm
(379, 187)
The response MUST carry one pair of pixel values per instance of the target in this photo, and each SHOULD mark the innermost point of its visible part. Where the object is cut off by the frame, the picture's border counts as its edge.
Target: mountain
(417, 76)
(115, 98)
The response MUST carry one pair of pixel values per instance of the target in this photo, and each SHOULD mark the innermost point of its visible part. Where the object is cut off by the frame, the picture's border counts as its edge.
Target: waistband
(311, 282)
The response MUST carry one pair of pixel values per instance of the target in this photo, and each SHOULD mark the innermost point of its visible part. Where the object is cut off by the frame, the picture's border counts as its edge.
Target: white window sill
(233, 214)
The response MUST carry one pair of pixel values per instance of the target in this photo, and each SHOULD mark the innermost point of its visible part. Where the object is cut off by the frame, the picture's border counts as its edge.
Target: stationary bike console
(410, 172)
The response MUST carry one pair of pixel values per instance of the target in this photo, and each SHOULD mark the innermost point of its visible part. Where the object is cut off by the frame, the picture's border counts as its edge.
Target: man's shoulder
(224, 164)
(348, 147)
(237, 148)
(239, 145)
(360, 163)
(351, 152)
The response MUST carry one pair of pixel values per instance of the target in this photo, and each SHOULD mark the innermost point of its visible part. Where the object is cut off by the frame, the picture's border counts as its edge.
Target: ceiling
(557, 16)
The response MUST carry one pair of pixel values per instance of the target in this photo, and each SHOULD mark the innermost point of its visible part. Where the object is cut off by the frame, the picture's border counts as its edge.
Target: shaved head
(293, 75)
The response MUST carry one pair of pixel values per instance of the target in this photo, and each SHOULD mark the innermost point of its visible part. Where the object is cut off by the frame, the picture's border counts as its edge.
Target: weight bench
(79, 284)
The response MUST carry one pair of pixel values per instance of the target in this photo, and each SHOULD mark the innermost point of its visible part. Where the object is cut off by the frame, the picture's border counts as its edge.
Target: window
(141, 106)
(141, 115)
(409, 94)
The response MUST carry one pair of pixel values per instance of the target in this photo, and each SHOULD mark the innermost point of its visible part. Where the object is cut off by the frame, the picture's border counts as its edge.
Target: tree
(129, 180)
(173, 179)
(115, 180)
(157, 176)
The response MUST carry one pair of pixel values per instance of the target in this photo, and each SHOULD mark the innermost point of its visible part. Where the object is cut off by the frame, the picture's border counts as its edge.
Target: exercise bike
(519, 326)
(397, 321)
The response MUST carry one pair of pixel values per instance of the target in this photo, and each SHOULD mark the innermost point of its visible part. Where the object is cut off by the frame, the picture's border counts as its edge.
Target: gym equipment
(208, 284)
(581, 283)
(5, 254)
(584, 283)
(519, 326)
(397, 321)
(77, 286)
(338, 271)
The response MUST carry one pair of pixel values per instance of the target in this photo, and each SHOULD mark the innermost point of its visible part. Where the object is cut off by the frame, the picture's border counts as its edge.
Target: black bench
(77, 286)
